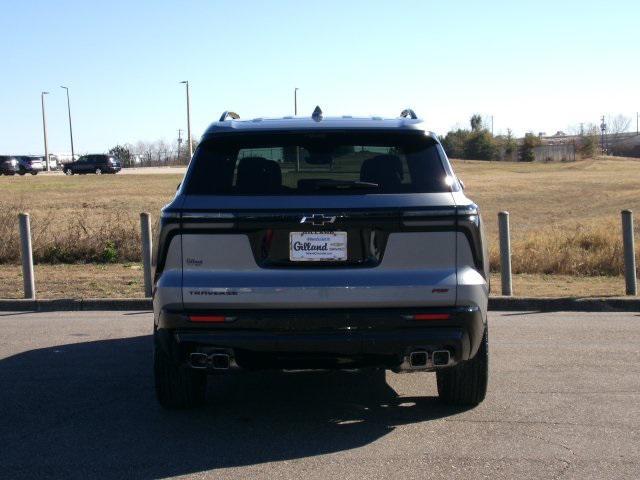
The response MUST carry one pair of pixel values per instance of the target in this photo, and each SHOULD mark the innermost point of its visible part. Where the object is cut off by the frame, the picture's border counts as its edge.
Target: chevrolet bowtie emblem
(318, 219)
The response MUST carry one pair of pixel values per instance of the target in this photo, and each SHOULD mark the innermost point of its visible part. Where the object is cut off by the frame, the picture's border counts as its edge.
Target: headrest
(258, 175)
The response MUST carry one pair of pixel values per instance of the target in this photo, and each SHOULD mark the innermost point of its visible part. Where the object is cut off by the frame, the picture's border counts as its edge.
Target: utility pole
(492, 125)
(44, 130)
(295, 112)
(637, 117)
(179, 142)
(188, 121)
(603, 129)
(70, 128)
(581, 129)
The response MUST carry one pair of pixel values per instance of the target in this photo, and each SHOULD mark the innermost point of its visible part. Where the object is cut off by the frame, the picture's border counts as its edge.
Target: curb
(75, 304)
(563, 304)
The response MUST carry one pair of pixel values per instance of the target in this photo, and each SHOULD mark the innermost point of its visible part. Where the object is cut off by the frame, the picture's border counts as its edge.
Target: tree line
(478, 143)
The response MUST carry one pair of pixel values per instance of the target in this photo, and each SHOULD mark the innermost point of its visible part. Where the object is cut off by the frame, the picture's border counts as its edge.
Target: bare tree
(617, 125)
(576, 130)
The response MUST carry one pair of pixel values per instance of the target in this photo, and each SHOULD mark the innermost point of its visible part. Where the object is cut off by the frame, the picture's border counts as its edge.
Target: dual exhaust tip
(420, 358)
(216, 361)
(222, 361)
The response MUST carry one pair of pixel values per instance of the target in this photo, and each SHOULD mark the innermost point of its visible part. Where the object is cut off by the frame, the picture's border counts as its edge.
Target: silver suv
(320, 243)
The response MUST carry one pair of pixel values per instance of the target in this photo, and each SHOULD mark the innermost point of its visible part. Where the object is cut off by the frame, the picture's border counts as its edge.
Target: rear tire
(466, 384)
(177, 386)
(68, 171)
(34, 173)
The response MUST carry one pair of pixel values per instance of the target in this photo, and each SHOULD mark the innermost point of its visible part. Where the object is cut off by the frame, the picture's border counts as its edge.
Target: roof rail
(407, 112)
(227, 114)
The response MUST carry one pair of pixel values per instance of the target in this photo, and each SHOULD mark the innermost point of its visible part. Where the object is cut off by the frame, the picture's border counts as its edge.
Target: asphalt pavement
(77, 401)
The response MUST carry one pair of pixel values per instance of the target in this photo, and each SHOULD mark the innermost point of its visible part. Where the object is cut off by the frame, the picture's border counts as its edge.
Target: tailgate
(321, 257)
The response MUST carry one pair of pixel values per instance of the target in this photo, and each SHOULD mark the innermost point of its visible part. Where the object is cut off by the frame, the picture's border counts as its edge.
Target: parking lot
(77, 401)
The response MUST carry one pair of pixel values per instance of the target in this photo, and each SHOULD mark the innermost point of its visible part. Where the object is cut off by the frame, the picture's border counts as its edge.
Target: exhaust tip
(418, 359)
(220, 361)
(441, 358)
(198, 360)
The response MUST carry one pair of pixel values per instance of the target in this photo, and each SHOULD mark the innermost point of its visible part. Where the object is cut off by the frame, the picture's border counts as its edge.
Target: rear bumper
(299, 339)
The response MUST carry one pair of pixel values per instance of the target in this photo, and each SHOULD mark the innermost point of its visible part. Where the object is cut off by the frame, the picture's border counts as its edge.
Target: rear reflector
(431, 316)
(207, 318)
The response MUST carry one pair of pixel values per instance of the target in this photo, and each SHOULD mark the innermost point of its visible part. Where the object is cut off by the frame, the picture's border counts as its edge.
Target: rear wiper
(344, 185)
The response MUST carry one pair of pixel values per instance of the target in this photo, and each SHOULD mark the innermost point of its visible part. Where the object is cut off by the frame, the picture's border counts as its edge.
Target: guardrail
(505, 254)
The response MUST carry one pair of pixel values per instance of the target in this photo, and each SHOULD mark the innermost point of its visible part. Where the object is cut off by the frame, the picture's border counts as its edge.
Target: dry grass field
(565, 220)
(564, 217)
(124, 280)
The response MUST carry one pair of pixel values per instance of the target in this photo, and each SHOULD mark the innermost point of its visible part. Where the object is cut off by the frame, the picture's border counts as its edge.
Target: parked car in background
(30, 164)
(96, 163)
(8, 165)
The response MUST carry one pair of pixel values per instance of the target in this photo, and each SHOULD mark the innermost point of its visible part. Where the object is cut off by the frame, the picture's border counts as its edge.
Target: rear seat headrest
(258, 175)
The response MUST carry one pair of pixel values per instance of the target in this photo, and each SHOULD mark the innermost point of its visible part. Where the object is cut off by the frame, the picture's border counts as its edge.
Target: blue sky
(535, 65)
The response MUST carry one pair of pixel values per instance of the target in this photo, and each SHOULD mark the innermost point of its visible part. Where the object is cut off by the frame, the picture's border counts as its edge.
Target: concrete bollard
(629, 253)
(26, 252)
(505, 253)
(145, 226)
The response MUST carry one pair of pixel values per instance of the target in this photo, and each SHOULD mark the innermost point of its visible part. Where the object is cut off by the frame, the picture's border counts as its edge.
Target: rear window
(317, 163)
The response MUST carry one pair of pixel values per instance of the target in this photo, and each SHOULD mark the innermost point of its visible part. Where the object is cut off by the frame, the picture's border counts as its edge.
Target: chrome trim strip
(206, 215)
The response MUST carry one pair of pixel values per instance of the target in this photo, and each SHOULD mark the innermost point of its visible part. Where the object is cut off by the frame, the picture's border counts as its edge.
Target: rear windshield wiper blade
(345, 185)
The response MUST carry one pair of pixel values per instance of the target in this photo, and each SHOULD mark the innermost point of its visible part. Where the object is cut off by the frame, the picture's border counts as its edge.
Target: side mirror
(461, 183)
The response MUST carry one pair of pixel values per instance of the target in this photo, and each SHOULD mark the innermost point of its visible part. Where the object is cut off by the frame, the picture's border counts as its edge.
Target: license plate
(318, 246)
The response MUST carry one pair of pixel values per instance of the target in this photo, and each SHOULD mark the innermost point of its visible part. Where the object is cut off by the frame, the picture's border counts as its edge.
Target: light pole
(186, 82)
(44, 130)
(295, 112)
(70, 128)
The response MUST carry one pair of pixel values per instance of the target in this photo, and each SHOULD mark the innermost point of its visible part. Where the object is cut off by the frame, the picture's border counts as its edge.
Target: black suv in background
(97, 164)
(8, 165)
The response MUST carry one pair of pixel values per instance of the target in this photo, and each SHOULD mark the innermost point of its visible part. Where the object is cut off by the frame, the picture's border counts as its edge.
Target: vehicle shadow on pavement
(89, 409)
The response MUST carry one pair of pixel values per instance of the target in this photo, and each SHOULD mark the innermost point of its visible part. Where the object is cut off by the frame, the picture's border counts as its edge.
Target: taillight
(207, 318)
(431, 316)
(469, 214)
(430, 217)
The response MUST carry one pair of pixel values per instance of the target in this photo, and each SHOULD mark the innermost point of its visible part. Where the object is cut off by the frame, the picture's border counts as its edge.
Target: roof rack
(407, 112)
(227, 114)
